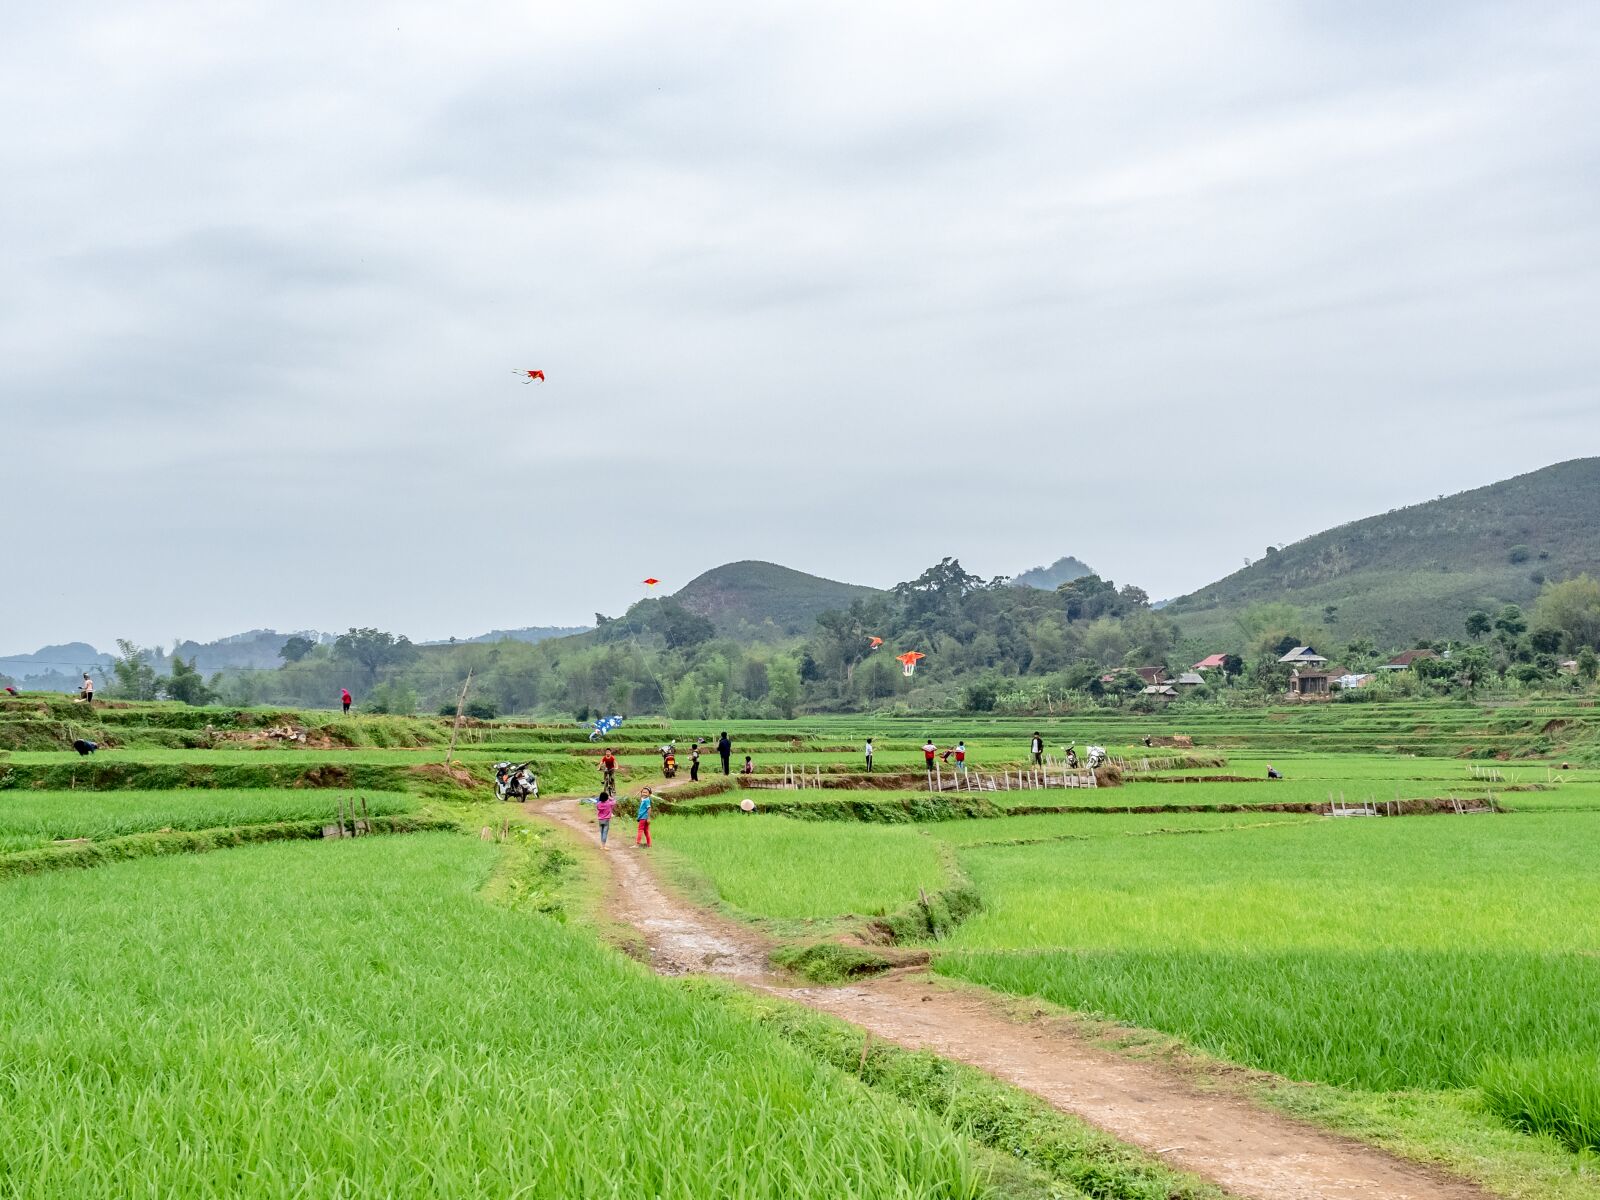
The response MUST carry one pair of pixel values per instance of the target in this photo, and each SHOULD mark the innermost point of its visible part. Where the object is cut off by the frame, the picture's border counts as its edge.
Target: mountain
(53, 668)
(530, 634)
(255, 649)
(1051, 577)
(762, 600)
(1417, 572)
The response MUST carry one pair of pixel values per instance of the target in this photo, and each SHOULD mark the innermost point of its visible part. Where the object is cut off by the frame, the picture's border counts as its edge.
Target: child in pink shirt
(603, 810)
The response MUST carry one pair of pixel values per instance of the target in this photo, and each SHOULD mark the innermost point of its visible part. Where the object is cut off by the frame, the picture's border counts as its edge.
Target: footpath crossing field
(1424, 981)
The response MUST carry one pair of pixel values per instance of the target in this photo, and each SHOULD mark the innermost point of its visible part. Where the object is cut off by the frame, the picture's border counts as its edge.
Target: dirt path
(1247, 1150)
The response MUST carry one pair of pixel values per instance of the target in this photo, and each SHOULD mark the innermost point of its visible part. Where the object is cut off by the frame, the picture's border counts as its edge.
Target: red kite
(531, 376)
(876, 642)
(651, 582)
(908, 661)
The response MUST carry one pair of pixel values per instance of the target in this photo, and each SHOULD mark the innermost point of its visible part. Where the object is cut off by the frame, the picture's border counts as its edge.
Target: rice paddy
(356, 1020)
(353, 1017)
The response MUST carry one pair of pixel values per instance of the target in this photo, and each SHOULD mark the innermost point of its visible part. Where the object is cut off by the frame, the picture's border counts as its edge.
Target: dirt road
(1247, 1150)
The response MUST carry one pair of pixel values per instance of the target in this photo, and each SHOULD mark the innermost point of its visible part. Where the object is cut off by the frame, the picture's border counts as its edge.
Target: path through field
(1245, 1149)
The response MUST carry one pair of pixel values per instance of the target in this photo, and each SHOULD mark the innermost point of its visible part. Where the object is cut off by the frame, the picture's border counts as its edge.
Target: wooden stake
(461, 707)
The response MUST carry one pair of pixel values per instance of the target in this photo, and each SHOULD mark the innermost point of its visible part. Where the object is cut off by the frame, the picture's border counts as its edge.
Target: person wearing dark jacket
(724, 750)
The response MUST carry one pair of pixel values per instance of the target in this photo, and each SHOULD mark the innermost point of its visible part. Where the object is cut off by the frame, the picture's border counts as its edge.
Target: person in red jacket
(344, 698)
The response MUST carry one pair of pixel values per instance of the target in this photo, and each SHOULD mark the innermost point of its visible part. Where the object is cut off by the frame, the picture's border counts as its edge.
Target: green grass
(1377, 954)
(1078, 825)
(777, 867)
(354, 1020)
(37, 818)
(1555, 1094)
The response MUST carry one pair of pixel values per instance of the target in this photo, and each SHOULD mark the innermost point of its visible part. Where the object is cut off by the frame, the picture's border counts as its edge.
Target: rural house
(1191, 679)
(1211, 662)
(1152, 676)
(1403, 660)
(1303, 656)
(1160, 691)
(1309, 683)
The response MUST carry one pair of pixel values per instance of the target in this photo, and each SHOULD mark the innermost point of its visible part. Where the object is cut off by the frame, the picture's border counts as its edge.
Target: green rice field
(355, 1020)
(291, 1013)
(36, 818)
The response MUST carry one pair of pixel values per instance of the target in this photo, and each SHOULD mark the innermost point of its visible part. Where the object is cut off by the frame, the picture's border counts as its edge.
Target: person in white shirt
(869, 754)
(1036, 748)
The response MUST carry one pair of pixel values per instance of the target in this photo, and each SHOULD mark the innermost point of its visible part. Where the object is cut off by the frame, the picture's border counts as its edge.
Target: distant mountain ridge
(758, 600)
(1416, 572)
(1049, 578)
(531, 634)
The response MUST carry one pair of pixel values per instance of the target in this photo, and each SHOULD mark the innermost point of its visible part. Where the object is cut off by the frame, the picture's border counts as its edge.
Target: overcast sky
(846, 287)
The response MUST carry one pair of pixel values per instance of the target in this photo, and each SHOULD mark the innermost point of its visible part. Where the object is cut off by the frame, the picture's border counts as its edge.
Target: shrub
(830, 962)
(1519, 554)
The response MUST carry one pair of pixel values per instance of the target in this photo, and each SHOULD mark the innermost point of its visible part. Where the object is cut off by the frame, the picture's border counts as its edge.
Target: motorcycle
(1072, 757)
(1097, 757)
(669, 762)
(515, 783)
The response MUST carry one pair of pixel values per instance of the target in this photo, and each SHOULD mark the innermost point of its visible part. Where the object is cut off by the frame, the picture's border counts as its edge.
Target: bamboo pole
(461, 707)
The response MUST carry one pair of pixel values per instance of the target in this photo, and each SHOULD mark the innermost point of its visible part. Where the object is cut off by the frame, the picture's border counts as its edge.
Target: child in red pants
(643, 836)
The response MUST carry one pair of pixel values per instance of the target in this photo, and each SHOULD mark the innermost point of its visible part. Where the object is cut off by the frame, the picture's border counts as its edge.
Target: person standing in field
(643, 835)
(961, 753)
(748, 766)
(604, 809)
(1036, 748)
(869, 754)
(344, 699)
(86, 689)
(694, 762)
(725, 750)
(928, 751)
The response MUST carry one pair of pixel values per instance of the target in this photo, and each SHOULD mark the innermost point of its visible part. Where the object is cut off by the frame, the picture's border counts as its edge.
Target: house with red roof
(1403, 660)
(1211, 662)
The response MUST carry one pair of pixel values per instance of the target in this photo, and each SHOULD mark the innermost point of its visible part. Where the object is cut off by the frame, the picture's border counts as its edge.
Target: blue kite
(604, 725)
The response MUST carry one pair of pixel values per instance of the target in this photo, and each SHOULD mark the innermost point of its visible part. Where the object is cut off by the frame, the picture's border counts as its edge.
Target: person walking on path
(86, 689)
(694, 763)
(725, 750)
(604, 809)
(344, 699)
(1036, 748)
(928, 751)
(869, 754)
(643, 836)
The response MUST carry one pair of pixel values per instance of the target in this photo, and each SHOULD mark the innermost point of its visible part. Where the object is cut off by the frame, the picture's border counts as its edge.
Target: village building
(1304, 684)
(1211, 662)
(1404, 660)
(1303, 656)
(1190, 679)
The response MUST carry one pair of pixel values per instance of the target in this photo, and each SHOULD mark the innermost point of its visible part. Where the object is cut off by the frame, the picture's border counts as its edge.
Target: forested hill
(763, 601)
(1417, 572)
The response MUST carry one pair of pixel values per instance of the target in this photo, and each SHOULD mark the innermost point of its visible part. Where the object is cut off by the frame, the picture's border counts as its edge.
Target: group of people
(606, 803)
(605, 808)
